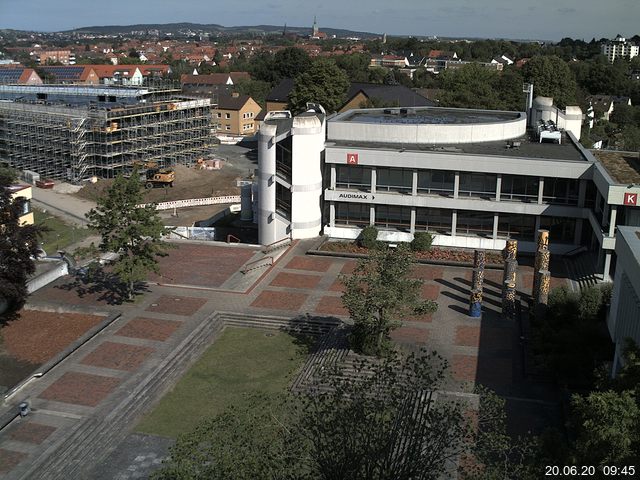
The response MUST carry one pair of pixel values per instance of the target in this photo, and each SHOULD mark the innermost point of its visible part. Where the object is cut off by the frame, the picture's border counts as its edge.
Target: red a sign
(352, 158)
(630, 198)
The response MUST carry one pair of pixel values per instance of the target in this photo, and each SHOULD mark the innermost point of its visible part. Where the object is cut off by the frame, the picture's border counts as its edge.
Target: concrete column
(332, 185)
(582, 192)
(498, 186)
(456, 184)
(495, 226)
(607, 267)
(537, 227)
(612, 220)
(372, 215)
(577, 234)
(412, 228)
(540, 190)
(414, 183)
(373, 180)
(454, 222)
(332, 214)
(605, 215)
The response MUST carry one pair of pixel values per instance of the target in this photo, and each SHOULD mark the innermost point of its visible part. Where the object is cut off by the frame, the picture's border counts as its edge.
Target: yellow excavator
(153, 176)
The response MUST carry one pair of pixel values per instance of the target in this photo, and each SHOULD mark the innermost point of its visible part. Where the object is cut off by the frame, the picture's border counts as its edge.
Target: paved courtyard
(93, 385)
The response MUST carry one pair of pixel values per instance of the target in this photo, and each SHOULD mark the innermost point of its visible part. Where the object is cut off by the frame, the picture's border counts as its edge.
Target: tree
(378, 295)
(132, 231)
(322, 83)
(290, 62)
(18, 248)
(551, 77)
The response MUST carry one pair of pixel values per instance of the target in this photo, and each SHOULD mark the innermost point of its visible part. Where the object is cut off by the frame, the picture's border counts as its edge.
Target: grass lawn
(241, 360)
(60, 234)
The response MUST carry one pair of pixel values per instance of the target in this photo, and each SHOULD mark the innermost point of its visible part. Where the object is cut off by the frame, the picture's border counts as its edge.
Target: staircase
(581, 269)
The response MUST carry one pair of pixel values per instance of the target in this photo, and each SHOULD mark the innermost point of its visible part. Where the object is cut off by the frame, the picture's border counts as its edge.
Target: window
(283, 158)
(474, 223)
(516, 226)
(435, 182)
(283, 200)
(519, 188)
(227, 115)
(477, 185)
(352, 213)
(393, 216)
(561, 229)
(219, 115)
(352, 177)
(394, 180)
(562, 191)
(433, 220)
(227, 127)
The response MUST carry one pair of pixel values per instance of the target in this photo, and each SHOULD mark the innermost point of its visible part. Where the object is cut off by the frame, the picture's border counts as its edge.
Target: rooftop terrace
(427, 116)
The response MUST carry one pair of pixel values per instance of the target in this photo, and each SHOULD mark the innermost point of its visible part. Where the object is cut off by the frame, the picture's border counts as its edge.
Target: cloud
(566, 10)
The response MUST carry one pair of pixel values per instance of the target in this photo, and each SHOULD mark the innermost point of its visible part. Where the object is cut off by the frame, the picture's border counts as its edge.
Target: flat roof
(623, 167)
(529, 148)
(426, 116)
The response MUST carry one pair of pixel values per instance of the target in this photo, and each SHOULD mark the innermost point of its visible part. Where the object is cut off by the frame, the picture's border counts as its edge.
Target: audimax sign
(356, 196)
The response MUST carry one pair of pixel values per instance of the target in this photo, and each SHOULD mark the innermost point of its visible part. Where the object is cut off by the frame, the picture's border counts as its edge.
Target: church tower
(314, 30)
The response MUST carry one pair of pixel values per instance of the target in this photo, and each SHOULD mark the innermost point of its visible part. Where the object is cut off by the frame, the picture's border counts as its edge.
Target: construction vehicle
(158, 177)
(153, 176)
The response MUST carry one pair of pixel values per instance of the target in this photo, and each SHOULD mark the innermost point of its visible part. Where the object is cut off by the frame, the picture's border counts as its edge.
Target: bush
(369, 237)
(421, 242)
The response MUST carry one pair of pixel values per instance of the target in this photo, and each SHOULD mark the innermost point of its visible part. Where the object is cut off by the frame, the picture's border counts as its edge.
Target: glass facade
(438, 182)
(517, 226)
(283, 158)
(283, 200)
(474, 223)
(561, 229)
(398, 180)
(562, 191)
(434, 220)
(393, 216)
(519, 188)
(481, 185)
(353, 178)
(352, 214)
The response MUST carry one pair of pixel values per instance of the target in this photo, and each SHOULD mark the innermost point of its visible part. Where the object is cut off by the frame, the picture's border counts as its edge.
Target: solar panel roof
(10, 75)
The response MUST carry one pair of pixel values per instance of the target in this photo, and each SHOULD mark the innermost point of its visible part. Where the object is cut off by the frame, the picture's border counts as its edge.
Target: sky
(518, 19)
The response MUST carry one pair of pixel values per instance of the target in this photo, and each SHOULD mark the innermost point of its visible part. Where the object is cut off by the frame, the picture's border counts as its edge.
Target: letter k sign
(630, 198)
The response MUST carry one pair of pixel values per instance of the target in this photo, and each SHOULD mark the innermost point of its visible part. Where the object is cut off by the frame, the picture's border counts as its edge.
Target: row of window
(439, 220)
(441, 182)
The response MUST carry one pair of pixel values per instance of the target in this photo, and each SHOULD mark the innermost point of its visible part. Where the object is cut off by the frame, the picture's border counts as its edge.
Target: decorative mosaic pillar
(509, 254)
(541, 261)
(509, 300)
(542, 297)
(475, 303)
(477, 280)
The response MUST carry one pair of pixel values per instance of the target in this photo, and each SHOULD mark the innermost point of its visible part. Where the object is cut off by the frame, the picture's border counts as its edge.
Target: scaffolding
(76, 143)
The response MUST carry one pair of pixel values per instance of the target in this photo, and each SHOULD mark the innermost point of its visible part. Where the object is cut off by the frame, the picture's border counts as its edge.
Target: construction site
(74, 133)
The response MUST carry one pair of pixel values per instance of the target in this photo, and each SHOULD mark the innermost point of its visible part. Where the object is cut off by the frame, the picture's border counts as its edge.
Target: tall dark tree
(551, 77)
(291, 62)
(129, 229)
(322, 83)
(18, 248)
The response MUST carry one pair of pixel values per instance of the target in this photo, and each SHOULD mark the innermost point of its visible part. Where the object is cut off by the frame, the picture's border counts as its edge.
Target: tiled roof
(228, 102)
(397, 94)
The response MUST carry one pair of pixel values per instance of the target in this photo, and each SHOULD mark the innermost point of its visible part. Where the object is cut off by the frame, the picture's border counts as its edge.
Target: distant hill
(215, 28)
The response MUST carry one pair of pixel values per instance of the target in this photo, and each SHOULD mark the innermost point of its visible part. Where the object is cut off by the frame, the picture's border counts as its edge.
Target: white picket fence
(195, 202)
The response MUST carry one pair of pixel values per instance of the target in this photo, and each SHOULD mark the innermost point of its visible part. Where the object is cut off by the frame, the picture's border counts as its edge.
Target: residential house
(620, 48)
(236, 114)
(504, 60)
(389, 61)
(72, 74)
(25, 193)
(278, 97)
(211, 85)
(19, 75)
(64, 57)
(604, 105)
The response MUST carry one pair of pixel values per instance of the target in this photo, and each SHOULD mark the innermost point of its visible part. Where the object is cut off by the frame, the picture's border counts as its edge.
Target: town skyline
(458, 18)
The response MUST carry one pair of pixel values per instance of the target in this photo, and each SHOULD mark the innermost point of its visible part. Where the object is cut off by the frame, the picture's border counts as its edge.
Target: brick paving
(80, 389)
(430, 291)
(31, 432)
(276, 300)
(9, 459)
(177, 305)
(201, 265)
(427, 272)
(464, 367)
(118, 356)
(331, 306)
(295, 280)
(415, 335)
(468, 336)
(313, 264)
(149, 328)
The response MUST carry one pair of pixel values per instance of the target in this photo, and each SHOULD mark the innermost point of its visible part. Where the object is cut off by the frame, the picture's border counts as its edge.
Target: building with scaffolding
(75, 132)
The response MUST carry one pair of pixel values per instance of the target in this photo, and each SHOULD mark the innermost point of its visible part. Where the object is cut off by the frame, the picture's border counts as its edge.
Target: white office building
(473, 178)
(620, 48)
